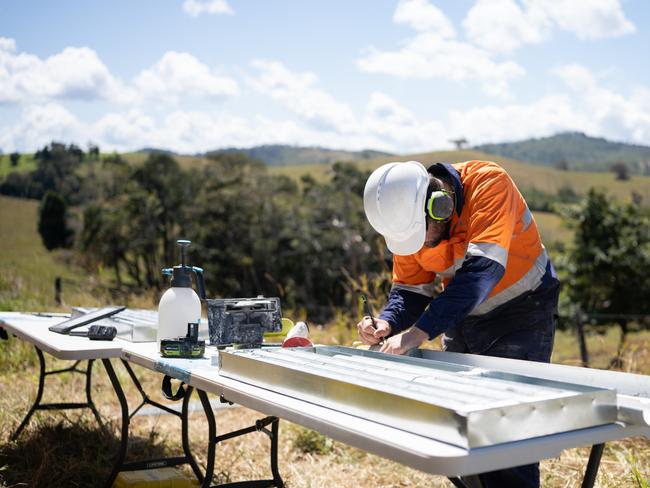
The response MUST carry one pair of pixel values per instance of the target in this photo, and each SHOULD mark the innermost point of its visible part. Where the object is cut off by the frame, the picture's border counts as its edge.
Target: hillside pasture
(545, 179)
(28, 270)
(25, 163)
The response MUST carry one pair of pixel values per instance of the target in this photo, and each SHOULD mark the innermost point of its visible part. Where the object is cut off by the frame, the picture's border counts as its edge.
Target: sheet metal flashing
(461, 405)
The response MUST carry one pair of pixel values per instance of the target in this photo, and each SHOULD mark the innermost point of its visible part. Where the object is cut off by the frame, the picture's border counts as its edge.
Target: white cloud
(395, 128)
(616, 116)
(504, 25)
(429, 56)
(298, 93)
(423, 16)
(124, 131)
(7, 44)
(383, 123)
(195, 8)
(76, 72)
(589, 107)
(39, 125)
(181, 75)
(434, 52)
(588, 19)
(385, 110)
(494, 123)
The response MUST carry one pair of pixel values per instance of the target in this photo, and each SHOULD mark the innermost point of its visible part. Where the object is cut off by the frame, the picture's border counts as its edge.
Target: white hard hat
(393, 200)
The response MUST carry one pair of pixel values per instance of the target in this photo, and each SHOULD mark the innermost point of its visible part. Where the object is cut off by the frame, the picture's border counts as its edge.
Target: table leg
(593, 465)
(472, 481)
(37, 405)
(185, 433)
(212, 438)
(188, 458)
(39, 395)
(260, 426)
(124, 407)
(89, 400)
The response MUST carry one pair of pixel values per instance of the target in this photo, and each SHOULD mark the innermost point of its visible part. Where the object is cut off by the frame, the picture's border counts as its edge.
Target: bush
(52, 222)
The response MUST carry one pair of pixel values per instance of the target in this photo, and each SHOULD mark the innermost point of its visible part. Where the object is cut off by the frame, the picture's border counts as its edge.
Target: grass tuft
(309, 441)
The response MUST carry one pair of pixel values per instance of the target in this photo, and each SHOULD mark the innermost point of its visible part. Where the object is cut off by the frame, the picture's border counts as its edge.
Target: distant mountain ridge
(285, 155)
(576, 150)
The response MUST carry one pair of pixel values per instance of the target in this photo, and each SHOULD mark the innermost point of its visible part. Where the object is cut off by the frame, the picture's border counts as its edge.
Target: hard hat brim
(409, 246)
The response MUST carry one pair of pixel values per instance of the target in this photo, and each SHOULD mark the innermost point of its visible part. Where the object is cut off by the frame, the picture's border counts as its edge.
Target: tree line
(305, 241)
(252, 231)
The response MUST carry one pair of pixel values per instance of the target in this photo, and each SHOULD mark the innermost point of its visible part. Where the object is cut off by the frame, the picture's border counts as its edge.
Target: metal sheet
(465, 406)
(134, 325)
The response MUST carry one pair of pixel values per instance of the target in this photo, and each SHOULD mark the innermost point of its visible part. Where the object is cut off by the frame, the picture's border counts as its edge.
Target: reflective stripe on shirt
(451, 270)
(526, 219)
(528, 282)
(488, 250)
(425, 289)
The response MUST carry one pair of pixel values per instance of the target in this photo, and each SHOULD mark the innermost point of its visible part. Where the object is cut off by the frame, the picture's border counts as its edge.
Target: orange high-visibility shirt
(493, 237)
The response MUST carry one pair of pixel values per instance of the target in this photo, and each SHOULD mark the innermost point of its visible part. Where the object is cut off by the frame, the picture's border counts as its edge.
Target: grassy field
(186, 162)
(28, 270)
(25, 163)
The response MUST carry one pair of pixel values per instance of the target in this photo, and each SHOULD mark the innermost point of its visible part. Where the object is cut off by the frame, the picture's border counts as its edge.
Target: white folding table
(33, 328)
(422, 453)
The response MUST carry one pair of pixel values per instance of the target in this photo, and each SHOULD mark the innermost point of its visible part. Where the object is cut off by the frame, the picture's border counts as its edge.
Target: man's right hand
(370, 334)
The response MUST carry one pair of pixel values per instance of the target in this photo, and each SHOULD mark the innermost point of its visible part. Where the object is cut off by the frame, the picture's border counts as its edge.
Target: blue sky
(403, 76)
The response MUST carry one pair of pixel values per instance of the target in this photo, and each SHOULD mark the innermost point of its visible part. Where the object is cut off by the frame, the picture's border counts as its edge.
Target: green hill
(284, 155)
(546, 179)
(575, 150)
(272, 155)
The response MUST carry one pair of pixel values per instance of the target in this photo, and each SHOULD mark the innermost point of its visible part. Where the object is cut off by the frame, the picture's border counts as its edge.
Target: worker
(468, 224)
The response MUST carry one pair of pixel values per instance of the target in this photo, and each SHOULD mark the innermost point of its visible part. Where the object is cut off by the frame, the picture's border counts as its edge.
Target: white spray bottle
(180, 305)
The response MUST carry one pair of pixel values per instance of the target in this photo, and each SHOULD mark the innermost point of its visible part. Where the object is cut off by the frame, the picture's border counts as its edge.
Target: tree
(459, 143)
(14, 157)
(609, 264)
(52, 222)
(562, 165)
(56, 170)
(93, 151)
(621, 171)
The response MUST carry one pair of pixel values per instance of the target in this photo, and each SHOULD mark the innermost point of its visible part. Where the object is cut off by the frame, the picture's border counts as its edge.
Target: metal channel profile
(461, 405)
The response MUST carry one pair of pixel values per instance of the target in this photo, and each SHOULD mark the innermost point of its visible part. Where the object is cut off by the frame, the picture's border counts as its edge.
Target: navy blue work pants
(522, 329)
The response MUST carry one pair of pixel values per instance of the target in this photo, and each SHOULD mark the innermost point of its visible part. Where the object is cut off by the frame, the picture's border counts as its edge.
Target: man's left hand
(404, 342)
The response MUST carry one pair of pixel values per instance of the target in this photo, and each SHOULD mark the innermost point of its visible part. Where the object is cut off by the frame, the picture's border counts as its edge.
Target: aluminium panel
(461, 405)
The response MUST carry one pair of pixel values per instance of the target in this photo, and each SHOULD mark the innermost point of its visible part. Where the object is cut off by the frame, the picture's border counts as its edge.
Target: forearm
(470, 287)
(403, 308)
